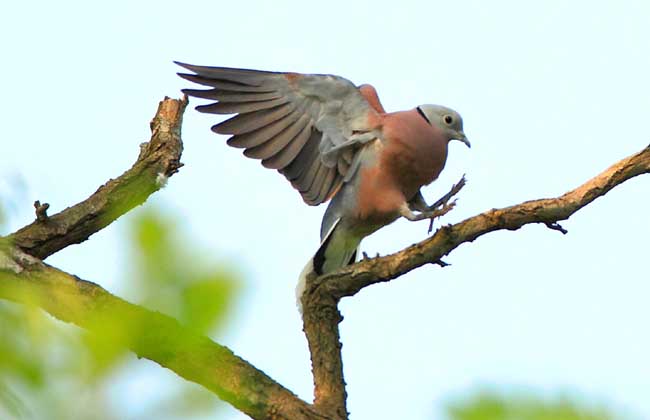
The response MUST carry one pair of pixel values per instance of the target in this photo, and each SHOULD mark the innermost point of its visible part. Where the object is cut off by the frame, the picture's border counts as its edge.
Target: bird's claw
(443, 206)
(439, 212)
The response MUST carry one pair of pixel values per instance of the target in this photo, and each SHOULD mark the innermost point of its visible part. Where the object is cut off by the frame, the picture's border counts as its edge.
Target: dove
(333, 141)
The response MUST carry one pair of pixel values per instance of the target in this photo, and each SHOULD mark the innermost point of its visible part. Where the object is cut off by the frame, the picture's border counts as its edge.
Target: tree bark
(321, 319)
(158, 160)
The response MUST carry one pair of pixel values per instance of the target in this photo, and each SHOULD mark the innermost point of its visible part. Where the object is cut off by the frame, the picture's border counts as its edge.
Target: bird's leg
(444, 200)
(418, 203)
(455, 189)
(406, 212)
(429, 214)
(437, 209)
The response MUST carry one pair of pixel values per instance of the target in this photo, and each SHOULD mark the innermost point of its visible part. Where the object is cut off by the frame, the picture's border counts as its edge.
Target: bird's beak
(462, 137)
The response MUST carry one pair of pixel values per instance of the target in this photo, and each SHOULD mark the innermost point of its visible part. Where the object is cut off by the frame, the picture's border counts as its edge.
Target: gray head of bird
(448, 120)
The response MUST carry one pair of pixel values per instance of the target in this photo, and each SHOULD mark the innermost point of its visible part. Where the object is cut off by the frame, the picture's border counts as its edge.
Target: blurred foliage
(52, 370)
(489, 405)
(42, 363)
(172, 276)
(13, 189)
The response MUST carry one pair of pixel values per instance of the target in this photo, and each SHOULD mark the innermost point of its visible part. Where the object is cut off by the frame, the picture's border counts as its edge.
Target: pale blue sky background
(551, 93)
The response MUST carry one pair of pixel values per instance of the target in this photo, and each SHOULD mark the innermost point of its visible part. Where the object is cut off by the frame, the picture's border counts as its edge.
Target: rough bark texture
(158, 160)
(321, 319)
(25, 278)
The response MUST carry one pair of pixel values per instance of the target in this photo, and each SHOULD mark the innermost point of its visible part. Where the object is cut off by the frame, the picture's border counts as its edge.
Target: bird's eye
(449, 119)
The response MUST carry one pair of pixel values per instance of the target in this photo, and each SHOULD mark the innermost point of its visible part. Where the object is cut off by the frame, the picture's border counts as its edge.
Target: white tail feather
(337, 253)
(309, 267)
(302, 283)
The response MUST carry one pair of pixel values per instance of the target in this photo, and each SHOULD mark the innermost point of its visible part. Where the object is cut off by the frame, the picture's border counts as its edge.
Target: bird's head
(448, 120)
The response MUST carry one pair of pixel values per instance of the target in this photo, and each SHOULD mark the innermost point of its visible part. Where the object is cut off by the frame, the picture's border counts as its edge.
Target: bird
(333, 141)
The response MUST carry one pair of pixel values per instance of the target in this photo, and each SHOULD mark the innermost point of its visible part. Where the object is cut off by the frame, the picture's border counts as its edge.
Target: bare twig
(159, 159)
(41, 211)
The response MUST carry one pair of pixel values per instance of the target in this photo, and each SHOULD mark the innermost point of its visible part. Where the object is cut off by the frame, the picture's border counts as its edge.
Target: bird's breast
(410, 155)
(414, 153)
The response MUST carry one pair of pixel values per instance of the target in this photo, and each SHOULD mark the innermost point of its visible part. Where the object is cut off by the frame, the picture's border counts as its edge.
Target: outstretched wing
(308, 127)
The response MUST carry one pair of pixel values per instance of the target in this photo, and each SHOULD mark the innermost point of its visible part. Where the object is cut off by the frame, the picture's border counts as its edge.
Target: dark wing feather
(240, 107)
(275, 145)
(302, 125)
(285, 155)
(259, 136)
(251, 121)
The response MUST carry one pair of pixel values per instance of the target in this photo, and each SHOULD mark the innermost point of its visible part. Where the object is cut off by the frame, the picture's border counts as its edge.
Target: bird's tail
(337, 249)
(302, 282)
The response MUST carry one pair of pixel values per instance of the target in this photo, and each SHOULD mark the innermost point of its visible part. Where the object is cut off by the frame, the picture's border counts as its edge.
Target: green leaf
(488, 405)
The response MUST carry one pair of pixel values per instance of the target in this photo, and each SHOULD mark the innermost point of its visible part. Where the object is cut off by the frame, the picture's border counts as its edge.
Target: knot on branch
(41, 211)
(173, 167)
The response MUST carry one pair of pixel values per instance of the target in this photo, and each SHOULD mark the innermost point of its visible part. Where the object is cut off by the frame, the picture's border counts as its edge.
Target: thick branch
(348, 281)
(154, 336)
(159, 159)
(321, 319)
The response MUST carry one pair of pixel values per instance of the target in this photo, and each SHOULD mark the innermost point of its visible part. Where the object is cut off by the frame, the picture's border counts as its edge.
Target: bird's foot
(455, 189)
(439, 212)
(443, 206)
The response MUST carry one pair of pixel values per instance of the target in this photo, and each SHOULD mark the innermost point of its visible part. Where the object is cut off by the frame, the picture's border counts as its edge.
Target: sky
(551, 94)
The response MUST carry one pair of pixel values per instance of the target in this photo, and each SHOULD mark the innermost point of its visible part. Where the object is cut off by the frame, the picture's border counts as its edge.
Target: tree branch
(158, 160)
(24, 278)
(351, 279)
(151, 335)
(321, 319)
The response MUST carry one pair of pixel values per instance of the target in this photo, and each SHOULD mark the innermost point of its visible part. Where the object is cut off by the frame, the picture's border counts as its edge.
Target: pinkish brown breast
(415, 151)
(412, 154)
